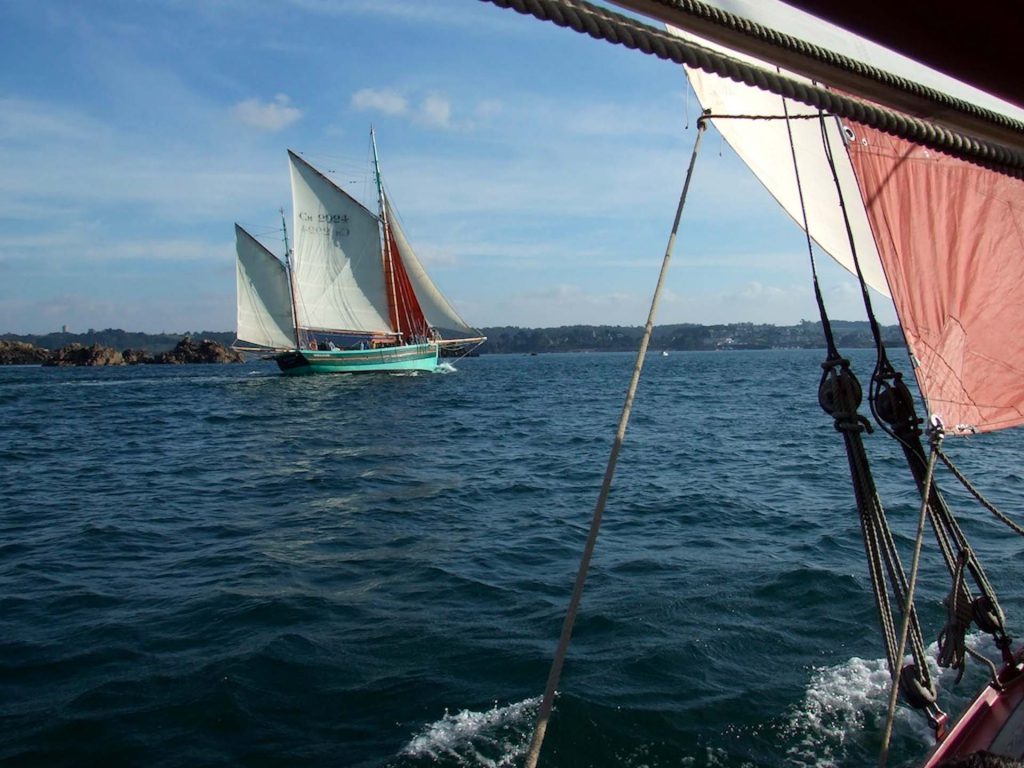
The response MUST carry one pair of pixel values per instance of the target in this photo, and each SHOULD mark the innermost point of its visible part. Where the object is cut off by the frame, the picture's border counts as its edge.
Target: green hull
(411, 357)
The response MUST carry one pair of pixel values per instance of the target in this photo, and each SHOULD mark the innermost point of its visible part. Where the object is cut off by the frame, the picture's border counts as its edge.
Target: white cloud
(272, 116)
(386, 101)
(436, 111)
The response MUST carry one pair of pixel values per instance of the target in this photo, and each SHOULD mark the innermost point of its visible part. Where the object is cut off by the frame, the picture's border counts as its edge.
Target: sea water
(220, 565)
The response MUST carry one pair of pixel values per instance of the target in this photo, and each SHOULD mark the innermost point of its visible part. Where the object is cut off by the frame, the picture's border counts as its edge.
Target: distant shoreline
(855, 334)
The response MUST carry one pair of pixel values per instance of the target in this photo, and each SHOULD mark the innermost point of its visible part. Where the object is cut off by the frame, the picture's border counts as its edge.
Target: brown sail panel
(951, 239)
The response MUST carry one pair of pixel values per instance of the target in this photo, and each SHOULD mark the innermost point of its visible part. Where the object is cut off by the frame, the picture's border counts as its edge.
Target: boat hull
(402, 359)
(993, 723)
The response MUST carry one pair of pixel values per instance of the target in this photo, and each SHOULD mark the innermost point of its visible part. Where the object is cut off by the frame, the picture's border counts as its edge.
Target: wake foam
(841, 701)
(445, 368)
(496, 738)
(835, 706)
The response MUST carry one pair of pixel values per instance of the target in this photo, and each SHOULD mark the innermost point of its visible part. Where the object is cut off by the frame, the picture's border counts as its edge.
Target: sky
(536, 171)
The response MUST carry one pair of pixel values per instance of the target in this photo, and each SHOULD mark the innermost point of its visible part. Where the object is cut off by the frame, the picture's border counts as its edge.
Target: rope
(978, 495)
(581, 576)
(702, 11)
(953, 637)
(840, 394)
(601, 24)
(908, 609)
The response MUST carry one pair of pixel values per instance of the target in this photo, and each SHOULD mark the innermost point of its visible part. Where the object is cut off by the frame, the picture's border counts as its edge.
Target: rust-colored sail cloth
(951, 239)
(406, 313)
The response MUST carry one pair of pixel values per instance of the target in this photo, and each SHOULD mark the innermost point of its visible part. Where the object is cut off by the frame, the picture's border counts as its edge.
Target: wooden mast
(385, 243)
(291, 281)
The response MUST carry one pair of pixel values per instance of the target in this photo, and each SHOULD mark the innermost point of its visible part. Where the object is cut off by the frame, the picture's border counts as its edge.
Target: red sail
(951, 239)
(406, 314)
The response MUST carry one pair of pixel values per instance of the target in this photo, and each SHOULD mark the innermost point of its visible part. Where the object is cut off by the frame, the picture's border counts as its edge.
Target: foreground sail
(943, 237)
(915, 183)
(359, 297)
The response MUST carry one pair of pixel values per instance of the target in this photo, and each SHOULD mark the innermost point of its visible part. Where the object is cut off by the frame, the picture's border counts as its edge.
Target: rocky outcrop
(206, 351)
(186, 351)
(136, 356)
(76, 354)
(20, 353)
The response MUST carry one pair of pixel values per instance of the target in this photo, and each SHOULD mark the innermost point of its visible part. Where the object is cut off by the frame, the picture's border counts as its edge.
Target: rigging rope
(547, 703)
(602, 24)
(893, 408)
(840, 395)
(1016, 528)
(907, 612)
(892, 405)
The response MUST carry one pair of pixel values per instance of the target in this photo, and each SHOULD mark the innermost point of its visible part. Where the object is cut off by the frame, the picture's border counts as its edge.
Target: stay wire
(557, 663)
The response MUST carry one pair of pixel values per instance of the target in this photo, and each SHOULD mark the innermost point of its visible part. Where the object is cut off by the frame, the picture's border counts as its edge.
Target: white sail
(764, 146)
(438, 312)
(336, 266)
(264, 306)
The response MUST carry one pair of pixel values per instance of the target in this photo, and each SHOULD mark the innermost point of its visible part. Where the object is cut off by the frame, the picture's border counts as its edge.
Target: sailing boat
(915, 183)
(353, 277)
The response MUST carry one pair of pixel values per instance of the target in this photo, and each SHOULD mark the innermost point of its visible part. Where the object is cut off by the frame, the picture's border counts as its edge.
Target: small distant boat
(352, 278)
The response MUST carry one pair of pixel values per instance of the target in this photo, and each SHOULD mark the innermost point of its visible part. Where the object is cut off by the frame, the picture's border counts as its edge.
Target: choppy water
(224, 566)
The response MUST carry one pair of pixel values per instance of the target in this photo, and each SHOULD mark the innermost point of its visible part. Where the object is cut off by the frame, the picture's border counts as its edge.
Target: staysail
(336, 266)
(264, 306)
(953, 268)
(438, 312)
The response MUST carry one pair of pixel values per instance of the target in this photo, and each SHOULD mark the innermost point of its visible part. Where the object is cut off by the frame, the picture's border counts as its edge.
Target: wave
(495, 738)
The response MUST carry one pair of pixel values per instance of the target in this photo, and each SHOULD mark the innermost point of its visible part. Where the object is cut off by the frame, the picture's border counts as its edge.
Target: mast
(291, 282)
(385, 240)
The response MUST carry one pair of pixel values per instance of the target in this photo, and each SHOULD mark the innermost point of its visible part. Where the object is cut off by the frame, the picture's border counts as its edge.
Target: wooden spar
(291, 282)
(385, 241)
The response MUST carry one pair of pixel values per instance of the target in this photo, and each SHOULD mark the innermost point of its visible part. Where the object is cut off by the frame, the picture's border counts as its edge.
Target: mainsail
(264, 306)
(344, 280)
(336, 266)
(953, 268)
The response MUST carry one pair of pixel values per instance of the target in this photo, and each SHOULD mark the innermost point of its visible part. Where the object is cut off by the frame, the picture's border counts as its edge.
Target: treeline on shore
(136, 347)
(686, 337)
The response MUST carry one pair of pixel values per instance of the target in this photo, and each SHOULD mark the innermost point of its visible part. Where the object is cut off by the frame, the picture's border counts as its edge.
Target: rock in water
(206, 351)
(20, 353)
(76, 354)
(136, 356)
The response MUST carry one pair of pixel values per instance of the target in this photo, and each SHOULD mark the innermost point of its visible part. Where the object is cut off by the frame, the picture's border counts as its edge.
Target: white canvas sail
(264, 306)
(438, 312)
(764, 145)
(337, 269)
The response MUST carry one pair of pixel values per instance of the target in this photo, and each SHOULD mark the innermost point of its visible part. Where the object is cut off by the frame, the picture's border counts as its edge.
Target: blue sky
(536, 171)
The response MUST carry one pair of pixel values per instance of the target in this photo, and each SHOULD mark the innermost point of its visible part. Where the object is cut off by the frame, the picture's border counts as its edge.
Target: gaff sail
(943, 237)
(336, 264)
(264, 306)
